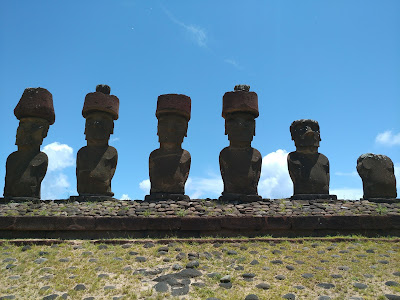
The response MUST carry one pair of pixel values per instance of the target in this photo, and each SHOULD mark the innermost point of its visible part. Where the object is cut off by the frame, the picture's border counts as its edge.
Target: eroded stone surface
(308, 169)
(377, 174)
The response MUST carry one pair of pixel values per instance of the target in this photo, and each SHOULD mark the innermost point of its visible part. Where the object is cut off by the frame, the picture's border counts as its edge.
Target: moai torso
(24, 174)
(169, 171)
(377, 174)
(309, 172)
(95, 167)
(240, 170)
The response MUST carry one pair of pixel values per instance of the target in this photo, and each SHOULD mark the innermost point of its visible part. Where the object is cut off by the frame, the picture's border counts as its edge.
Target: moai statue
(96, 162)
(169, 165)
(240, 164)
(308, 169)
(377, 174)
(26, 167)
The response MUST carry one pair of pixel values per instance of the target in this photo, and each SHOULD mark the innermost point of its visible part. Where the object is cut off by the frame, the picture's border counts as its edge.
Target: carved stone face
(99, 126)
(31, 131)
(306, 134)
(240, 127)
(172, 128)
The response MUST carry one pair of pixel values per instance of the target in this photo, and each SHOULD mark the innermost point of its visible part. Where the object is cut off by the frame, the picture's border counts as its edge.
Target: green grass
(66, 275)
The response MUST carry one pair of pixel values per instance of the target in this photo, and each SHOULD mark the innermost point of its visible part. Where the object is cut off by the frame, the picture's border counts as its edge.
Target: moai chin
(308, 169)
(169, 165)
(26, 167)
(240, 164)
(96, 162)
(377, 174)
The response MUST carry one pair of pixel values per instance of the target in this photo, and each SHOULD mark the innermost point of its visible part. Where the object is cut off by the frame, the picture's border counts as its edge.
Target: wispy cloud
(196, 33)
(125, 197)
(388, 138)
(233, 63)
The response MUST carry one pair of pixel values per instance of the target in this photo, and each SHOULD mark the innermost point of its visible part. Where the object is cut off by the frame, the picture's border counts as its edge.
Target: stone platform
(197, 218)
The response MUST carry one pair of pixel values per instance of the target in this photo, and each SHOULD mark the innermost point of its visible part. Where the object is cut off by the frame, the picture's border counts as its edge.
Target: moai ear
(112, 128)
(226, 133)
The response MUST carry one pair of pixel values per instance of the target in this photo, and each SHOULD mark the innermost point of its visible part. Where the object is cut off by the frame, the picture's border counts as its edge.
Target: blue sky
(337, 62)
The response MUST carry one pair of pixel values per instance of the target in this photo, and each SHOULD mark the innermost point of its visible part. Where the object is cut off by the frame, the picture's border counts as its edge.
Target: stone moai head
(173, 114)
(35, 113)
(239, 109)
(100, 110)
(377, 174)
(305, 134)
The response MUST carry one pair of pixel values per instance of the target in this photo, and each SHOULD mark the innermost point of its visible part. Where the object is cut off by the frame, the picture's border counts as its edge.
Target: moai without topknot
(377, 174)
(26, 167)
(96, 162)
(308, 169)
(240, 164)
(169, 165)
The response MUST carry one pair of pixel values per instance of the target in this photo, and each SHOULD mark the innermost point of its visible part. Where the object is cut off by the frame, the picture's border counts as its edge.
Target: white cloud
(56, 184)
(198, 188)
(347, 193)
(397, 174)
(387, 138)
(275, 181)
(125, 197)
(60, 156)
(145, 186)
(196, 33)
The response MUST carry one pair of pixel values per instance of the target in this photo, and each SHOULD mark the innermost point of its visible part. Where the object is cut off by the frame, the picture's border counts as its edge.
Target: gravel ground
(305, 269)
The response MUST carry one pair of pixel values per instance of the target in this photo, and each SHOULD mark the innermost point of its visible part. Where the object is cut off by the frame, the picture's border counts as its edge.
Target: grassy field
(359, 267)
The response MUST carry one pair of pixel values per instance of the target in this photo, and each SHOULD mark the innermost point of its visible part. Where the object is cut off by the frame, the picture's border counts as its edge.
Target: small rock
(299, 287)
(290, 267)
(368, 275)
(199, 284)
(324, 298)
(225, 279)
(42, 253)
(109, 287)
(80, 287)
(226, 285)
(392, 283)
(289, 296)
(280, 277)
(263, 286)
(40, 260)
(26, 248)
(360, 286)
(64, 259)
(180, 291)
(133, 253)
(214, 275)
(101, 247)
(248, 275)
(251, 297)
(336, 276)
(125, 246)
(392, 297)
(148, 245)
(254, 262)
(7, 297)
(177, 267)
(276, 262)
(326, 285)
(50, 297)
(45, 288)
(140, 259)
(239, 268)
(307, 275)
(192, 264)
(344, 268)
(103, 276)
(161, 287)
(231, 252)
(396, 273)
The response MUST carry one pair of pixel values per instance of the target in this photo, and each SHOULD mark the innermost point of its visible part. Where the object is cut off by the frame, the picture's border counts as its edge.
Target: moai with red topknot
(96, 162)
(308, 169)
(26, 167)
(240, 164)
(169, 165)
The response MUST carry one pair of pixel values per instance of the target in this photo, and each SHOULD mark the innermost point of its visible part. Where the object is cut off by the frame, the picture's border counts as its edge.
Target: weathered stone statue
(169, 165)
(26, 167)
(308, 169)
(96, 162)
(240, 164)
(377, 174)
